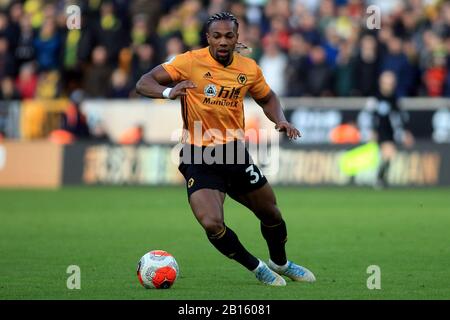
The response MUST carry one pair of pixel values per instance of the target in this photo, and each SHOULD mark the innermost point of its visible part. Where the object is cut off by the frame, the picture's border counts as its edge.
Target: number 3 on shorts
(255, 175)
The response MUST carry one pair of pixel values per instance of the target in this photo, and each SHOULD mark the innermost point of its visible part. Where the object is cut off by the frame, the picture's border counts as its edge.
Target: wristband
(166, 92)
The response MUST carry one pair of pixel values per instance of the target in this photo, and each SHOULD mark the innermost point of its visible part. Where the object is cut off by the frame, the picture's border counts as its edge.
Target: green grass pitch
(336, 232)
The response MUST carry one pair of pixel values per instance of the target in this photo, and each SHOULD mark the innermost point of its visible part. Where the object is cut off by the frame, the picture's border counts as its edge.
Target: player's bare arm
(153, 83)
(272, 109)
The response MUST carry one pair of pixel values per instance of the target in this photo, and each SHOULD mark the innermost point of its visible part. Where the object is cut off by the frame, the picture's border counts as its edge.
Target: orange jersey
(213, 112)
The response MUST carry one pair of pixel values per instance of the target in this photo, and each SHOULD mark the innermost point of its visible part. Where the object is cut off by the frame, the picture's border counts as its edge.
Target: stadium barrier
(31, 164)
(309, 165)
(44, 164)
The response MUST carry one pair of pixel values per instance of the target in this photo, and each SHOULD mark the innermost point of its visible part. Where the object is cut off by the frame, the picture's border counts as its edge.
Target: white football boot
(267, 276)
(293, 271)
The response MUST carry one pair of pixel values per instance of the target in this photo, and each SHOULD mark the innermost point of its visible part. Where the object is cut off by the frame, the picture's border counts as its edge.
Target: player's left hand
(291, 131)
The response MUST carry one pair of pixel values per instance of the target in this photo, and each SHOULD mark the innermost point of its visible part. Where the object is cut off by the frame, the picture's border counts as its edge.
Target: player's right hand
(292, 132)
(180, 89)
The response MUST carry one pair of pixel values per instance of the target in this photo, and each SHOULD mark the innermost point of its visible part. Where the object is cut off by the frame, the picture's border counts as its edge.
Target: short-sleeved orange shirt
(213, 113)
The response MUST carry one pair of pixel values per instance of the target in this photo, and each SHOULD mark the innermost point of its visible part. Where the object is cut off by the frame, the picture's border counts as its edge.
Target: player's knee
(275, 214)
(270, 214)
(213, 226)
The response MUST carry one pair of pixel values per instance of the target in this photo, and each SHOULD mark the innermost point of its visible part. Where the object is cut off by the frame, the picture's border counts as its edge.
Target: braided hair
(222, 16)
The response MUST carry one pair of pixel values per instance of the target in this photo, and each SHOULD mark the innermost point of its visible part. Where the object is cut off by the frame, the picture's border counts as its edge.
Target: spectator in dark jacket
(307, 27)
(447, 79)
(10, 30)
(109, 31)
(343, 80)
(396, 61)
(366, 68)
(120, 85)
(74, 121)
(24, 51)
(298, 63)
(143, 61)
(98, 75)
(319, 78)
(6, 59)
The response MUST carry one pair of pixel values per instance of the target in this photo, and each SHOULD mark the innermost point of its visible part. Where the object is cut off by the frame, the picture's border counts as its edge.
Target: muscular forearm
(149, 87)
(272, 109)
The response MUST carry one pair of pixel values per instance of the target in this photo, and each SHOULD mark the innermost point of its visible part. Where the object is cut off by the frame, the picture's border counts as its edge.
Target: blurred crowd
(305, 47)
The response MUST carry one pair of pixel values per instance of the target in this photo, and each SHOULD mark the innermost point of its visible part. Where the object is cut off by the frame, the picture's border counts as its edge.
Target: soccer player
(389, 124)
(212, 83)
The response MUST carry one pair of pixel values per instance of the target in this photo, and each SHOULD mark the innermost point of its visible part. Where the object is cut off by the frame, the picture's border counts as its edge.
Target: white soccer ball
(157, 269)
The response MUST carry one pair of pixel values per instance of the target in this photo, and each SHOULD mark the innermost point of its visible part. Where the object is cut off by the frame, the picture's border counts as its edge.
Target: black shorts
(385, 134)
(233, 177)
